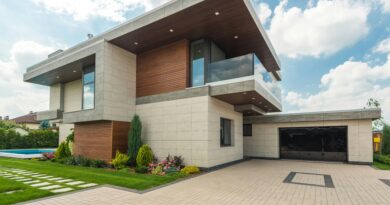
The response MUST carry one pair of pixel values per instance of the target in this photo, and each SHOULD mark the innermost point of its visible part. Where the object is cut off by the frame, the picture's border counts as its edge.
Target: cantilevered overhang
(189, 20)
(236, 29)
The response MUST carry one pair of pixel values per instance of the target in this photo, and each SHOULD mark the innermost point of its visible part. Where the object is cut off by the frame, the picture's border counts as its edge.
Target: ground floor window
(247, 130)
(226, 132)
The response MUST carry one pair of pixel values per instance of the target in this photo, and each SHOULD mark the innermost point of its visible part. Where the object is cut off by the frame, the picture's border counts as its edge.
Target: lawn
(382, 166)
(18, 192)
(93, 175)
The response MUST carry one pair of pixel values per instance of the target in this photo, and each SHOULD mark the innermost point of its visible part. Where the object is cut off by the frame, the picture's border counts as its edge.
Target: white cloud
(83, 10)
(264, 12)
(385, 5)
(18, 97)
(348, 86)
(383, 46)
(320, 29)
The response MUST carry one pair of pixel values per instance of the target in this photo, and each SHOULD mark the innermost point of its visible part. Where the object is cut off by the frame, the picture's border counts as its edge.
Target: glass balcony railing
(243, 66)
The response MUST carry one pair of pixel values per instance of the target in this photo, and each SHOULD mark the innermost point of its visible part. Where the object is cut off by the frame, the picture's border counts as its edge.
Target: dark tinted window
(226, 132)
(247, 129)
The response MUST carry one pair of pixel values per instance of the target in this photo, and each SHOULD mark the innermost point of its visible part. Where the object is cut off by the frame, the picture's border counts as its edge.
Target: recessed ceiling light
(58, 77)
(171, 30)
(74, 71)
(235, 37)
(266, 106)
(136, 43)
(217, 13)
(260, 102)
(253, 98)
(244, 93)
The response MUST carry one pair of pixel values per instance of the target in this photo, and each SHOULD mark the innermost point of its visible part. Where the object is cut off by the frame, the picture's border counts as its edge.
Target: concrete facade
(264, 142)
(190, 128)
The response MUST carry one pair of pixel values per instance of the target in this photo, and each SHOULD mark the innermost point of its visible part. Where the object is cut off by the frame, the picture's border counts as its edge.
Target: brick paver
(254, 182)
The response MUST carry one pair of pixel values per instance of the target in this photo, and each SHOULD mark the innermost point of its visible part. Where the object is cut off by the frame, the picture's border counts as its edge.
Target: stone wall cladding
(190, 128)
(73, 96)
(118, 81)
(265, 139)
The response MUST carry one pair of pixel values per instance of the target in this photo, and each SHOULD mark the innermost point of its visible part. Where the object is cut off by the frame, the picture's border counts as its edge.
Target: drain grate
(309, 179)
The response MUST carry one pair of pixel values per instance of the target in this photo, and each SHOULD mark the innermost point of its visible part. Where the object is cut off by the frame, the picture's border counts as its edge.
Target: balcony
(243, 81)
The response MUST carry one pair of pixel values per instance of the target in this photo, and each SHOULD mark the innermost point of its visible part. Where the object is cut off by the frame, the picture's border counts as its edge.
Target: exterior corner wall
(64, 131)
(264, 141)
(119, 79)
(177, 127)
(216, 154)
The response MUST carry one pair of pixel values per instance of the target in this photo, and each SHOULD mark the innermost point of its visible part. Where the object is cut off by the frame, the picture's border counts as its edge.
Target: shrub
(386, 140)
(190, 170)
(177, 161)
(120, 160)
(141, 169)
(145, 156)
(158, 170)
(82, 161)
(134, 139)
(48, 155)
(62, 151)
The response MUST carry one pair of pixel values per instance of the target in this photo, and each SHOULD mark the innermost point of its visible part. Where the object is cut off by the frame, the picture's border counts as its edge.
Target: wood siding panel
(119, 136)
(93, 140)
(163, 69)
(100, 139)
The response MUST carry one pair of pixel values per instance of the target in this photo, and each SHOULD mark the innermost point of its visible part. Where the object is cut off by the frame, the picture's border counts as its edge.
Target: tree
(386, 139)
(378, 123)
(134, 139)
(44, 125)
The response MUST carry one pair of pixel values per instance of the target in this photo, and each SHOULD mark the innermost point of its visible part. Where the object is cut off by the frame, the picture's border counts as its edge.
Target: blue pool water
(27, 151)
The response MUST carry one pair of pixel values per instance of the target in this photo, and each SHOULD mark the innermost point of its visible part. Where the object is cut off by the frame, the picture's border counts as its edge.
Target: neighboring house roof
(30, 118)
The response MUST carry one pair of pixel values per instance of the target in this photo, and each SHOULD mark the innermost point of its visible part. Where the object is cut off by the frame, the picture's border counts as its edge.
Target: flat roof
(357, 114)
(190, 20)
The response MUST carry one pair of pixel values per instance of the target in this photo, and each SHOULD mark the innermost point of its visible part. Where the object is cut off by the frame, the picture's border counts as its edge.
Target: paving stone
(23, 180)
(17, 177)
(64, 180)
(75, 183)
(55, 179)
(61, 190)
(40, 184)
(51, 187)
(32, 182)
(44, 177)
(87, 185)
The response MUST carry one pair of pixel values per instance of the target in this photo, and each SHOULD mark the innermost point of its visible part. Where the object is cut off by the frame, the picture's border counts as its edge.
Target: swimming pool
(24, 153)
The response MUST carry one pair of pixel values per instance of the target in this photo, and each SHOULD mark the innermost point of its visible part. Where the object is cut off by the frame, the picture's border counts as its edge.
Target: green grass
(382, 166)
(87, 174)
(22, 192)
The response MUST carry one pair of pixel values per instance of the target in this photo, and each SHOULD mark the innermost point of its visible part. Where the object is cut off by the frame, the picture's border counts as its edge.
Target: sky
(334, 54)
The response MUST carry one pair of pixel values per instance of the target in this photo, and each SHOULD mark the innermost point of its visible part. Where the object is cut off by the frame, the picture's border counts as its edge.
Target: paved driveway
(256, 182)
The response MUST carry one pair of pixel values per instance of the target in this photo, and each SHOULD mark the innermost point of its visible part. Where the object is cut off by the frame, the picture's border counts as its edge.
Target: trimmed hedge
(9, 139)
(385, 159)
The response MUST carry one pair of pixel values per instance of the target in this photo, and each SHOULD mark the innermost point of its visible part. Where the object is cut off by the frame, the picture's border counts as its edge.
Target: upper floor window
(247, 130)
(89, 88)
(226, 132)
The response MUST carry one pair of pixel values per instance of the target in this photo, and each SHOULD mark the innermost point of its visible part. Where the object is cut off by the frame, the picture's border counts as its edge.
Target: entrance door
(314, 143)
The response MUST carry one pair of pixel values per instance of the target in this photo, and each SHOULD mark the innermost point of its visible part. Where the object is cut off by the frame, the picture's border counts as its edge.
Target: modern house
(204, 78)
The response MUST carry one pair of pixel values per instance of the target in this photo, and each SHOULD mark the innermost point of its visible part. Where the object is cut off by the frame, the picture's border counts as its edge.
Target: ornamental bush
(120, 161)
(386, 140)
(190, 170)
(62, 151)
(134, 139)
(145, 156)
(141, 169)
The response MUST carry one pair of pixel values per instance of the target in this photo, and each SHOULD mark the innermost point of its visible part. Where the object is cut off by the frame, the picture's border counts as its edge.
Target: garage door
(314, 143)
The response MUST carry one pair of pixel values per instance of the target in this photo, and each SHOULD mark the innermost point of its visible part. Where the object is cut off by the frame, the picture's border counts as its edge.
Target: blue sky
(335, 54)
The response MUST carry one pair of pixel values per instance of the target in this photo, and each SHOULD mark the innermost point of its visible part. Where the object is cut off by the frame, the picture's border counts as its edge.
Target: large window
(89, 88)
(226, 132)
(197, 63)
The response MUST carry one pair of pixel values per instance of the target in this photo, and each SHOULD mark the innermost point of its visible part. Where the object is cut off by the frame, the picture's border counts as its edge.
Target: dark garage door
(314, 143)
